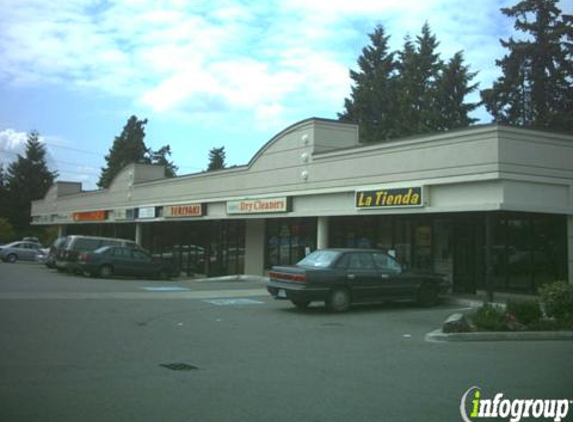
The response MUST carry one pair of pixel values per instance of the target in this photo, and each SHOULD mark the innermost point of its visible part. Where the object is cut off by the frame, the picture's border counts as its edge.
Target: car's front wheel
(106, 271)
(338, 301)
(11, 258)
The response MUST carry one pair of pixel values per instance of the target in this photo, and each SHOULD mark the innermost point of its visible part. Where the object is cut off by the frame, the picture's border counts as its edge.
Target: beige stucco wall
(320, 164)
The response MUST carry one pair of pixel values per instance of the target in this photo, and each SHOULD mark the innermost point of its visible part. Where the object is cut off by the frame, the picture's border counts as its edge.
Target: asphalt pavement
(83, 349)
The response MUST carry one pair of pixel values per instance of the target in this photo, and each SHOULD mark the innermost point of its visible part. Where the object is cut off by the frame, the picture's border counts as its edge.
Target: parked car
(14, 251)
(341, 277)
(42, 255)
(125, 261)
(69, 250)
(47, 256)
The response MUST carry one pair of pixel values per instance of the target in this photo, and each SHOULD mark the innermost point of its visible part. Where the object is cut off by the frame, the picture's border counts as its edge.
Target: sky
(204, 73)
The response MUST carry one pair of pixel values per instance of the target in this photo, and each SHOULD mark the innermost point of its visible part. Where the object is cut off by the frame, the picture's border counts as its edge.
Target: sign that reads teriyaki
(386, 198)
(182, 211)
(258, 206)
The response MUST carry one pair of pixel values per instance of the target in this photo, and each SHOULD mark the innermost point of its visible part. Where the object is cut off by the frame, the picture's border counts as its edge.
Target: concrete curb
(439, 336)
(470, 303)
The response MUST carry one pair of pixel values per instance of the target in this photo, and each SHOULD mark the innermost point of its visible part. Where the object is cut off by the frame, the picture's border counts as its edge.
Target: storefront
(488, 204)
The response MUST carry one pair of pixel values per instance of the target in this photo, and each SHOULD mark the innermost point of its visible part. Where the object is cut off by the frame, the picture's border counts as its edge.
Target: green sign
(387, 198)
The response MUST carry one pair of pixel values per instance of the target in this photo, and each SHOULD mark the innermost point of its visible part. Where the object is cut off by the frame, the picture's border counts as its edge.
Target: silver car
(14, 251)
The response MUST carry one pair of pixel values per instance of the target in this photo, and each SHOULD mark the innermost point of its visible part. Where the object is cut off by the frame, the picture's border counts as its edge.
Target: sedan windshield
(320, 259)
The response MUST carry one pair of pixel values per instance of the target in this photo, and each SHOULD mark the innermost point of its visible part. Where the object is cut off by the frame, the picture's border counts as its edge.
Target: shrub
(558, 300)
(490, 318)
(526, 312)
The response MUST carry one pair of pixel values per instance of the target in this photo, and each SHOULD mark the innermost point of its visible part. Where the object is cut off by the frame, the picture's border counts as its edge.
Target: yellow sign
(386, 198)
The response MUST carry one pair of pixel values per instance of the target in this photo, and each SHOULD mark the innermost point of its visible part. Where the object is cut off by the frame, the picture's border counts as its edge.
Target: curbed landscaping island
(548, 318)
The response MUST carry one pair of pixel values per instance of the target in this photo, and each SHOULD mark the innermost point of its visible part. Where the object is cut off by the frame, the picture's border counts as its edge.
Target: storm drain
(179, 366)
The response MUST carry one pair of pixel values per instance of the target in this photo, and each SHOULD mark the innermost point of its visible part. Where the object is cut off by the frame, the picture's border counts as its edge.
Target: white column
(138, 233)
(570, 247)
(255, 247)
(61, 230)
(322, 233)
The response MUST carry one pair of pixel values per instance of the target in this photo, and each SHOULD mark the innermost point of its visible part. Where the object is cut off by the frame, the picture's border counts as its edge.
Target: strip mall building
(487, 200)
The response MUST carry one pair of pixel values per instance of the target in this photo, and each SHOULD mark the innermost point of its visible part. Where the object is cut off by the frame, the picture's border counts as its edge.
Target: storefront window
(549, 249)
(423, 247)
(443, 247)
(289, 240)
(403, 242)
(519, 254)
(528, 251)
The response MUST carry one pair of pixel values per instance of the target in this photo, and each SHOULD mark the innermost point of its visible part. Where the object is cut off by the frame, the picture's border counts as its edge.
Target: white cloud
(13, 143)
(186, 57)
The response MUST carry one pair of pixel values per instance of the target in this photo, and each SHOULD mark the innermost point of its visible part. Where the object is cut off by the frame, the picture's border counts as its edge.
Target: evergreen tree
(3, 194)
(216, 159)
(536, 88)
(409, 92)
(6, 231)
(28, 178)
(159, 157)
(372, 100)
(127, 148)
(453, 85)
(417, 84)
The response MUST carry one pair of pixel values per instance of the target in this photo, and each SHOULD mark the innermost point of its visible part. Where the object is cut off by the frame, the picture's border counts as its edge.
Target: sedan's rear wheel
(106, 271)
(11, 258)
(338, 301)
(428, 295)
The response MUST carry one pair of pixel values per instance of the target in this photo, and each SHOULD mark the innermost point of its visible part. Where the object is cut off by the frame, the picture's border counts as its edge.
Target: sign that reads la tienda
(387, 198)
(259, 206)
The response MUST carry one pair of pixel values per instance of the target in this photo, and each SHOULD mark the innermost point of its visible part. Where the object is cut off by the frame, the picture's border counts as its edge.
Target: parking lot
(76, 348)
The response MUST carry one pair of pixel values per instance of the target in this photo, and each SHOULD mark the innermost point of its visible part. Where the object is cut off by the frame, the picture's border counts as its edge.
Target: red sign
(90, 216)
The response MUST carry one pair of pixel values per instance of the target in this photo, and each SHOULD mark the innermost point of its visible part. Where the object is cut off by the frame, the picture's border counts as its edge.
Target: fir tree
(452, 87)
(3, 194)
(216, 159)
(27, 179)
(372, 98)
(159, 157)
(417, 83)
(409, 92)
(128, 147)
(536, 88)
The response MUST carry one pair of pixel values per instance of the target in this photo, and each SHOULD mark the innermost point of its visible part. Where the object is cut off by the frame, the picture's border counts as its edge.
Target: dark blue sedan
(109, 261)
(341, 277)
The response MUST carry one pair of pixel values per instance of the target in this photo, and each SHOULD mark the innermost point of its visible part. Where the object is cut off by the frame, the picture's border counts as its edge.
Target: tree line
(393, 94)
(413, 91)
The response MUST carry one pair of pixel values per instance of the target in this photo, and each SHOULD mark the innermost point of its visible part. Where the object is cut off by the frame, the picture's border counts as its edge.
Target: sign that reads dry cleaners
(386, 198)
(258, 206)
